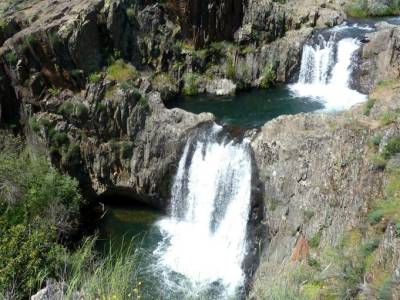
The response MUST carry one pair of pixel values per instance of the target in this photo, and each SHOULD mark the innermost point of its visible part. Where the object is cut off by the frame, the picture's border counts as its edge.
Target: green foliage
(268, 77)
(69, 109)
(375, 217)
(370, 246)
(126, 149)
(190, 87)
(111, 277)
(230, 69)
(391, 148)
(34, 124)
(375, 140)
(388, 208)
(73, 156)
(315, 240)
(131, 14)
(54, 91)
(387, 118)
(11, 58)
(368, 106)
(27, 256)
(357, 10)
(95, 77)
(38, 207)
(121, 71)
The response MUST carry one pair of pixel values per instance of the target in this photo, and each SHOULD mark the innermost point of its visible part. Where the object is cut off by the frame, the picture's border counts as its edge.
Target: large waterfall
(325, 73)
(205, 235)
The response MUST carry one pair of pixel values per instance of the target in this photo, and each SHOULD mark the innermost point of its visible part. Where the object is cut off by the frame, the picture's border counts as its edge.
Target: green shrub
(81, 111)
(268, 77)
(230, 69)
(54, 91)
(59, 139)
(375, 217)
(385, 290)
(38, 207)
(387, 118)
(376, 139)
(95, 77)
(370, 246)
(391, 148)
(11, 58)
(126, 149)
(121, 71)
(190, 87)
(315, 240)
(34, 124)
(73, 156)
(368, 106)
(27, 256)
(357, 11)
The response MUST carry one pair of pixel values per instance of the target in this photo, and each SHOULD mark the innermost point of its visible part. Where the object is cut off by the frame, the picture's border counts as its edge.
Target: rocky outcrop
(380, 57)
(121, 142)
(320, 182)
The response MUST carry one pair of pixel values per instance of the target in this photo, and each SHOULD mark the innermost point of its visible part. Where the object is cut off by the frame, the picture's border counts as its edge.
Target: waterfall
(325, 73)
(205, 234)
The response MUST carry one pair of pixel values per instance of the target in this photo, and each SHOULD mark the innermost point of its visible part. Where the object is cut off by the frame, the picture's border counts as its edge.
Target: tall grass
(112, 276)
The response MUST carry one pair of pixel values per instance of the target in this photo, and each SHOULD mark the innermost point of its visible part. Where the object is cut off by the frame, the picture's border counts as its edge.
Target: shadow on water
(122, 221)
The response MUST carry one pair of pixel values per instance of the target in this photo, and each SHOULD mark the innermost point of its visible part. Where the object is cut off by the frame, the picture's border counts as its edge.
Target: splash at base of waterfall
(205, 235)
(326, 79)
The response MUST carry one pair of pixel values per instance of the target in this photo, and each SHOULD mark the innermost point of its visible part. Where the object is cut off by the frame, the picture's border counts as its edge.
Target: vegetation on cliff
(39, 217)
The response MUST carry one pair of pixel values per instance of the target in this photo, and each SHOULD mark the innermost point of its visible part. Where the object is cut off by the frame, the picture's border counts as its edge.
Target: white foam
(330, 85)
(205, 236)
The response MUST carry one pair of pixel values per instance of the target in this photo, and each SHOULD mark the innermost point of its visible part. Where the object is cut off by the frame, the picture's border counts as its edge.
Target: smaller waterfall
(325, 73)
(205, 235)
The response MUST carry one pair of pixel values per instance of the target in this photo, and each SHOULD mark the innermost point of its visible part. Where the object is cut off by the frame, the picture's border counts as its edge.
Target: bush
(315, 240)
(38, 207)
(391, 148)
(121, 71)
(375, 217)
(27, 256)
(190, 87)
(376, 139)
(368, 106)
(387, 118)
(126, 149)
(54, 91)
(11, 58)
(95, 77)
(268, 77)
(230, 69)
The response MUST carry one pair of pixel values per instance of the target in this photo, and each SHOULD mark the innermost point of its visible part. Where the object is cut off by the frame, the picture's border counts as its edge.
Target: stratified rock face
(206, 21)
(317, 181)
(380, 56)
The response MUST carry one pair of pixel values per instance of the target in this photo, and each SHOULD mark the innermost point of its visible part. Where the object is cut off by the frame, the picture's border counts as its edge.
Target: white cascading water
(205, 235)
(326, 77)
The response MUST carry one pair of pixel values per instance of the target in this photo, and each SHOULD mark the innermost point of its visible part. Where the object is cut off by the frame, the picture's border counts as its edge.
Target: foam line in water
(205, 236)
(326, 77)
